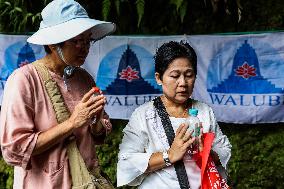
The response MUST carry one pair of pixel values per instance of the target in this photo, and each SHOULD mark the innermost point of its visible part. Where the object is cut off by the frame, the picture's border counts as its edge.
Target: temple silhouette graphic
(245, 75)
(24, 56)
(128, 79)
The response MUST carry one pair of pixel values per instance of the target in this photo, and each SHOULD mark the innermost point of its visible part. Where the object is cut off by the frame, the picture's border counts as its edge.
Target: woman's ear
(52, 47)
(158, 78)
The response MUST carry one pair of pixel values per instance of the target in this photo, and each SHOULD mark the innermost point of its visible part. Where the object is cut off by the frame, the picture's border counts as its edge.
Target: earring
(159, 83)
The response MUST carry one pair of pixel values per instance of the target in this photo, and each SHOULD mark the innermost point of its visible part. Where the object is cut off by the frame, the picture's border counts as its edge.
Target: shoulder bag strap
(179, 165)
(53, 91)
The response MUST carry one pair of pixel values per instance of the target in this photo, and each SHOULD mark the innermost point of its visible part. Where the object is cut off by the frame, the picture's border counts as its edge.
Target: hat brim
(67, 30)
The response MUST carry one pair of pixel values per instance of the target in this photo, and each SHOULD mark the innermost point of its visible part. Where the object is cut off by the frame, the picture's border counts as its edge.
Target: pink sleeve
(17, 131)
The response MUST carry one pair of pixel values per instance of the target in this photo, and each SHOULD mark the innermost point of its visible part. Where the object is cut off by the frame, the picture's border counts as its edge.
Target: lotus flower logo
(129, 74)
(23, 63)
(246, 71)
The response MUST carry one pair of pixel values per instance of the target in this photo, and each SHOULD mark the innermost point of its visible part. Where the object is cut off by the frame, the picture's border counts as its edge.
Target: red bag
(210, 178)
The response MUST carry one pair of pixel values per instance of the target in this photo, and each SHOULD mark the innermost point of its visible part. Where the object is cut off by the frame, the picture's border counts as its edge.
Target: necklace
(174, 112)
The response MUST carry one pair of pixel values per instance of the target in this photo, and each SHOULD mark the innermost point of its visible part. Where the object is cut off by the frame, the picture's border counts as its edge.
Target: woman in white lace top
(146, 157)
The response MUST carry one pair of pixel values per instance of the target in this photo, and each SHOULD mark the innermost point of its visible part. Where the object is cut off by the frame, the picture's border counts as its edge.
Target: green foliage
(158, 17)
(108, 153)
(6, 175)
(16, 17)
(257, 160)
(183, 11)
(181, 8)
(139, 15)
(147, 17)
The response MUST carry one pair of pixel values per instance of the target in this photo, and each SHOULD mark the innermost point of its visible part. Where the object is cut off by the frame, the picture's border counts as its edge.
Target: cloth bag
(210, 177)
(82, 178)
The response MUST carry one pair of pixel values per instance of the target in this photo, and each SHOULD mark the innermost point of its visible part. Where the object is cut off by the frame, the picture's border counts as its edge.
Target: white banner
(14, 53)
(239, 76)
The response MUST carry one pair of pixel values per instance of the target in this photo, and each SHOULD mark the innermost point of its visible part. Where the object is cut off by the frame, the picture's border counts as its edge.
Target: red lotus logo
(129, 74)
(23, 63)
(246, 71)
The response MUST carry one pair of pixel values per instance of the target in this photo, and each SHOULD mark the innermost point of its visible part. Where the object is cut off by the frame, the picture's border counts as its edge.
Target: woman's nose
(181, 80)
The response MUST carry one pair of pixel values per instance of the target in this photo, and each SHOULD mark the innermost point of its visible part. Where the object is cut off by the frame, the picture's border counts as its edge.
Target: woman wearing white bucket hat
(46, 107)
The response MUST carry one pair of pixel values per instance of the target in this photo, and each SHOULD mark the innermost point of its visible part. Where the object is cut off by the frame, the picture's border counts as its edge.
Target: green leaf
(18, 9)
(140, 5)
(177, 3)
(183, 11)
(5, 11)
(36, 16)
(106, 4)
(28, 14)
(7, 3)
(117, 6)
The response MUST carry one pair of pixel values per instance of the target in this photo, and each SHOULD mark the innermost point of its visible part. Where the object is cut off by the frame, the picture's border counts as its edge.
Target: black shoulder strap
(179, 166)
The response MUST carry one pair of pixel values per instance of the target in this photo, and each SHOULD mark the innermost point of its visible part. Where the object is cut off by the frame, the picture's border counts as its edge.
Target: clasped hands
(182, 142)
(88, 108)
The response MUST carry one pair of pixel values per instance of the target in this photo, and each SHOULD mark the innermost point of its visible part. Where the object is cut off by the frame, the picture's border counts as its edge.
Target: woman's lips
(183, 92)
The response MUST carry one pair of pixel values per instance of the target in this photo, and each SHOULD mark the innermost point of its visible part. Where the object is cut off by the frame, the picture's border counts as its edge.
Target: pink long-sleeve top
(27, 111)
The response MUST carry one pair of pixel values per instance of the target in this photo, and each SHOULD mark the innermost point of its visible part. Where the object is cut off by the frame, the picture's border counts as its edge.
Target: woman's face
(178, 80)
(75, 50)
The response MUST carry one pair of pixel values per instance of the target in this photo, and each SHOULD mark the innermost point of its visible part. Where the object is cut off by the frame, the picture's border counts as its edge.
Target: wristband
(166, 158)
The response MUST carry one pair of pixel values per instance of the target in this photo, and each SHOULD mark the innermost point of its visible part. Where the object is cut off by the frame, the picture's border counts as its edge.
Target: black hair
(47, 49)
(170, 51)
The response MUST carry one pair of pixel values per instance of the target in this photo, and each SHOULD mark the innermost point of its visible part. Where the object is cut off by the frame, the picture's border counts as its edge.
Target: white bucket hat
(65, 19)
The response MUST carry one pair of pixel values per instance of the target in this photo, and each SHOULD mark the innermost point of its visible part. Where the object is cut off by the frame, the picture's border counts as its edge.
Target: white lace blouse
(144, 135)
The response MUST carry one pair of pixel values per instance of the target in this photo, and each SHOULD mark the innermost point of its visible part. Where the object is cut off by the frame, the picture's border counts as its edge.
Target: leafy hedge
(257, 155)
(257, 160)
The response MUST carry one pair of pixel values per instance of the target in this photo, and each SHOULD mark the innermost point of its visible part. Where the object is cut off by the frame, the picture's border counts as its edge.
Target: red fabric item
(210, 178)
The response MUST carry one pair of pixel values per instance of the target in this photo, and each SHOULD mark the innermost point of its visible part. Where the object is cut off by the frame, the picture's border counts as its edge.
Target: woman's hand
(87, 108)
(180, 144)
(106, 123)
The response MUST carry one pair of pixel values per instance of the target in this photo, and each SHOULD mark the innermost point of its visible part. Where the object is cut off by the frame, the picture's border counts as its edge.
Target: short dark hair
(170, 51)
(47, 49)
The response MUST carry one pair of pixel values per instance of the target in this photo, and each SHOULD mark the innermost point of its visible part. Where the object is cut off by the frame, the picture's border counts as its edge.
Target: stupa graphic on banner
(245, 77)
(128, 79)
(25, 56)
(14, 60)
